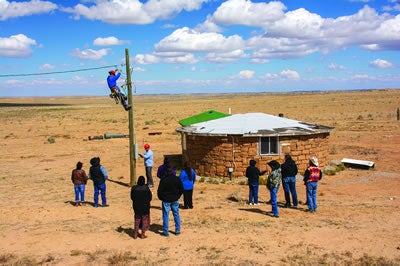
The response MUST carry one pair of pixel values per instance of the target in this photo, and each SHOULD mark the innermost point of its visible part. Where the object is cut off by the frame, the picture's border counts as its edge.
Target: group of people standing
(170, 189)
(98, 174)
(285, 174)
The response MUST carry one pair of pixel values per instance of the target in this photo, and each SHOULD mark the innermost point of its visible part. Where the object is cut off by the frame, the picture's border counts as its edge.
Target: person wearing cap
(148, 163)
(311, 177)
(112, 84)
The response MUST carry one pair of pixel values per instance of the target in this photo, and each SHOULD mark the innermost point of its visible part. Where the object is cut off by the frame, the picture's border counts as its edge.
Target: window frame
(271, 139)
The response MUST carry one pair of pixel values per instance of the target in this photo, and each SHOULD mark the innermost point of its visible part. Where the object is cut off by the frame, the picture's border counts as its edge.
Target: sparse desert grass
(356, 222)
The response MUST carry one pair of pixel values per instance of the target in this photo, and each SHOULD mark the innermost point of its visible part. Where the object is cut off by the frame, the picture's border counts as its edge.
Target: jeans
(273, 193)
(102, 189)
(79, 193)
(312, 195)
(149, 176)
(289, 186)
(253, 192)
(166, 207)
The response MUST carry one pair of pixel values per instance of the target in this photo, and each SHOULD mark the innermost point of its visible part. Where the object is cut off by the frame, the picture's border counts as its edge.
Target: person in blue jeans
(273, 182)
(169, 191)
(311, 177)
(289, 172)
(98, 174)
(79, 179)
(253, 176)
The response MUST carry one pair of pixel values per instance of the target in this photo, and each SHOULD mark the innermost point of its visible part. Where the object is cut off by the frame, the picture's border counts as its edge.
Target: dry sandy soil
(41, 140)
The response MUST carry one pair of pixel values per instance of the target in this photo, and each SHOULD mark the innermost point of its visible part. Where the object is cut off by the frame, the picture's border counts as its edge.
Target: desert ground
(42, 139)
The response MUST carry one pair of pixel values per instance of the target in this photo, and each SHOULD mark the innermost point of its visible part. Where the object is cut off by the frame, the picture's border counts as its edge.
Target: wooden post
(132, 140)
(398, 114)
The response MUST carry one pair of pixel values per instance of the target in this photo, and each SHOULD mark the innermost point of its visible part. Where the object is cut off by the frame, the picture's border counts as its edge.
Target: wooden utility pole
(132, 134)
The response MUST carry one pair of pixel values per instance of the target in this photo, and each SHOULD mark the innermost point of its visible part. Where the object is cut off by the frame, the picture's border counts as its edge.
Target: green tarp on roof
(202, 117)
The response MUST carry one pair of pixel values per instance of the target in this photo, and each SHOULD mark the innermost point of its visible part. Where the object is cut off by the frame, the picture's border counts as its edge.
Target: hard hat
(146, 146)
(112, 72)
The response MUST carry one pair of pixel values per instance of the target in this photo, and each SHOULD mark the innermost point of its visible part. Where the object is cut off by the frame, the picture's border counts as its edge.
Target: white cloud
(144, 59)
(18, 46)
(380, 63)
(19, 9)
(89, 54)
(299, 32)
(245, 12)
(229, 56)
(133, 11)
(109, 41)
(334, 66)
(360, 76)
(183, 59)
(138, 69)
(290, 74)
(189, 40)
(246, 74)
(46, 67)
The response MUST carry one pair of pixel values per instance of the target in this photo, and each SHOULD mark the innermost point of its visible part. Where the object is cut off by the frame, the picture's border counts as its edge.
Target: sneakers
(251, 203)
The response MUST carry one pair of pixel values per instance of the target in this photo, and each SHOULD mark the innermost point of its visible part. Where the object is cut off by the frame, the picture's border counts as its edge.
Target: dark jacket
(253, 173)
(170, 188)
(141, 197)
(289, 168)
(95, 172)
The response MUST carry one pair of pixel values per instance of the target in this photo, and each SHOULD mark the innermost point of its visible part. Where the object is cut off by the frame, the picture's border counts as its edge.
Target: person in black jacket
(98, 174)
(169, 191)
(289, 172)
(253, 176)
(141, 197)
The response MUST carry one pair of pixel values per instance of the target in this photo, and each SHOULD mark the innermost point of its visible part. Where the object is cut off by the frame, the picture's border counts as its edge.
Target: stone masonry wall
(213, 156)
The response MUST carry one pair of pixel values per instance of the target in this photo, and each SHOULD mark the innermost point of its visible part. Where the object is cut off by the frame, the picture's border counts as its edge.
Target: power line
(55, 72)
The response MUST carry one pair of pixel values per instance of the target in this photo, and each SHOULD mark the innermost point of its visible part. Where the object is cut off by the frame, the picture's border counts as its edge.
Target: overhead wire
(69, 71)
(55, 72)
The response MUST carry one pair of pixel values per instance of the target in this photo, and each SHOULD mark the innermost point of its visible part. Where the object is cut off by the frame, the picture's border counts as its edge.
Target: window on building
(269, 145)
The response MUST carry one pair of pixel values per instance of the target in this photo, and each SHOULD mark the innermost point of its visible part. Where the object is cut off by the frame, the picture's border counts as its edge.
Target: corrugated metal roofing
(206, 116)
(254, 124)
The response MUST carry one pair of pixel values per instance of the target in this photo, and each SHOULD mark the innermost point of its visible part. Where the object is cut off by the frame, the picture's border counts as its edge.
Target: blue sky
(62, 48)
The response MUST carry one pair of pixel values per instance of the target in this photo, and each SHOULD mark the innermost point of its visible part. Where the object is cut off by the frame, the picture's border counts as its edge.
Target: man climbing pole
(115, 91)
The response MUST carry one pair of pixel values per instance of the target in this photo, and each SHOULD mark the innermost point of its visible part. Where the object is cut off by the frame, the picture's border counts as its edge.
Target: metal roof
(206, 116)
(254, 124)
